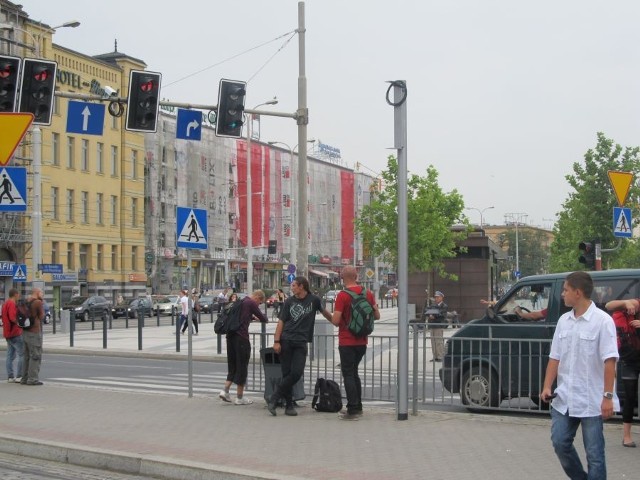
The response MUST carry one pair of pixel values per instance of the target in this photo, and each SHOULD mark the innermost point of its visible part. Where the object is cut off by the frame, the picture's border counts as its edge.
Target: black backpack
(327, 396)
(24, 314)
(228, 320)
(361, 322)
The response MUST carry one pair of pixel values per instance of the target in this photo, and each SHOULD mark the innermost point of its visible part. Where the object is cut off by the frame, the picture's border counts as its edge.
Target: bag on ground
(24, 314)
(327, 396)
(228, 320)
(361, 322)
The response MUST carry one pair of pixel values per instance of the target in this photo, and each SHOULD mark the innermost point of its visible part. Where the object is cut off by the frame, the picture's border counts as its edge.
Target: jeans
(15, 348)
(32, 357)
(563, 432)
(350, 357)
(293, 357)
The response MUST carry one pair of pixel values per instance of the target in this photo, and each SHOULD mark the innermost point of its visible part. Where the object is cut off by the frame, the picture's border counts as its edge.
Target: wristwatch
(608, 395)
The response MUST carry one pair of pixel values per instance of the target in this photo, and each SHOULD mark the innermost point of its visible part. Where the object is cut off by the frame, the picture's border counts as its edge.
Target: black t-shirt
(299, 317)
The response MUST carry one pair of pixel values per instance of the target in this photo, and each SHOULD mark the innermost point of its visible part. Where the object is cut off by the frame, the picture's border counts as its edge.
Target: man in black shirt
(295, 329)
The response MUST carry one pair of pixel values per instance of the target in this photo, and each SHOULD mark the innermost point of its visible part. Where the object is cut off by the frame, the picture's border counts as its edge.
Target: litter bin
(273, 375)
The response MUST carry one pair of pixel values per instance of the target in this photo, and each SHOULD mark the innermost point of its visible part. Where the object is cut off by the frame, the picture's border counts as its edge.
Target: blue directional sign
(85, 118)
(13, 189)
(189, 125)
(50, 267)
(622, 222)
(290, 278)
(19, 272)
(6, 269)
(192, 227)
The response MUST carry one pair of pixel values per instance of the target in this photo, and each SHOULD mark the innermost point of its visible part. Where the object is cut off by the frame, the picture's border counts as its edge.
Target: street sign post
(13, 189)
(188, 124)
(85, 118)
(191, 226)
(622, 226)
(13, 126)
(19, 272)
(621, 183)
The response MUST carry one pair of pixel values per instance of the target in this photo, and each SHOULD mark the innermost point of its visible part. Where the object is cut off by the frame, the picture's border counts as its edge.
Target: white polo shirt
(582, 345)
(184, 302)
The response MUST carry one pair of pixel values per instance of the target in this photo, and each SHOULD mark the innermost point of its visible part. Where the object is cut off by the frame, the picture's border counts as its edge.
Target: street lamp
(36, 39)
(515, 218)
(273, 101)
(480, 212)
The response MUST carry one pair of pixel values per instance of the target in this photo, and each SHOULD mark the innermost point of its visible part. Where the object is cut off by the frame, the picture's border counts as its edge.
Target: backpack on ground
(327, 396)
(228, 320)
(361, 322)
(25, 321)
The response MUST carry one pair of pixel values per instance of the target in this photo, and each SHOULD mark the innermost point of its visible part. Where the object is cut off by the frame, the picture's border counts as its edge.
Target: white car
(162, 304)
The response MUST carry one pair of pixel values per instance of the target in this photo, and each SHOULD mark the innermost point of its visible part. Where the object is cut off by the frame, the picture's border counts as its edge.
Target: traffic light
(38, 88)
(143, 102)
(9, 74)
(231, 95)
(588, 256)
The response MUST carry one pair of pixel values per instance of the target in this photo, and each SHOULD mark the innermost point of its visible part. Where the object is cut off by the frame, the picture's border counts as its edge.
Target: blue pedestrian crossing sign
(189, 124)
(85, 118)
(19, 272)
(192, 227)
(622, 222)
(13, 189)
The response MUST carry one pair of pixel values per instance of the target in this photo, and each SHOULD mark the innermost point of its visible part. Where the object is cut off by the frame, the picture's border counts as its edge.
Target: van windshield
(528, 299)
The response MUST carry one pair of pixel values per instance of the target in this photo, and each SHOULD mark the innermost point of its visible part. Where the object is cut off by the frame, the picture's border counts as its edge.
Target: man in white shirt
(184, 303)
(583, 358)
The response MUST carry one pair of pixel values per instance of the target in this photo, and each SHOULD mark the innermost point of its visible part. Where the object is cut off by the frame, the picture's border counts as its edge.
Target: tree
(588, 211)
(533, 257)
(431, 214)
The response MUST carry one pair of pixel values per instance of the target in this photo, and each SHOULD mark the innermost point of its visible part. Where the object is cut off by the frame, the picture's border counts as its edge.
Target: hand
(630, 305)
(545, 394)
(635, 323)
(606, 408)
(277, 348)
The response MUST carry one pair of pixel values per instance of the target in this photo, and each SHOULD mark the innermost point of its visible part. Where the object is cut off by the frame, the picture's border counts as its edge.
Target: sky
(503, 96)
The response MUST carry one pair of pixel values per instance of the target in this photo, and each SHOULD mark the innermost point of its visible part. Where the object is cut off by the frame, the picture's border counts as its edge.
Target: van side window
(608, 289)
(528, 298)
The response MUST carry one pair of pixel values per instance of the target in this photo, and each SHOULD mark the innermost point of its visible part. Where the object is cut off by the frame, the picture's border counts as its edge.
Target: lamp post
(516, 218)
(36, 39)
(481, 212)
(250, 198)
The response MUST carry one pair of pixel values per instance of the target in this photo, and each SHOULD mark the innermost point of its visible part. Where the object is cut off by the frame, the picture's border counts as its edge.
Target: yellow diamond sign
(13, 126)
(621, 183)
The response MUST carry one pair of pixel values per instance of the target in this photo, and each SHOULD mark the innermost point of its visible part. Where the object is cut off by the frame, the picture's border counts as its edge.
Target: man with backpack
(353, 335)
(33, 340)
(13, 335)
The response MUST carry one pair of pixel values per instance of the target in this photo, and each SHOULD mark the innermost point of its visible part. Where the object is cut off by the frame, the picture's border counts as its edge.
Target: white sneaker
(224, 396)
(243, 401)
(18, 379)
(10, 380)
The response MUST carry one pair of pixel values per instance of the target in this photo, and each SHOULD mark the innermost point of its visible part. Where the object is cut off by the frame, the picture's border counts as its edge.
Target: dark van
(503, 356)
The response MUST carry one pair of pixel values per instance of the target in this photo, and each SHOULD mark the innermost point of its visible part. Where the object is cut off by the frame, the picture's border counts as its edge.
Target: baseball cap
(439, 294)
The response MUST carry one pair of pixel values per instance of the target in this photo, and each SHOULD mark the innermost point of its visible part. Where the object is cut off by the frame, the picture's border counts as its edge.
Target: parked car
(130, 307)
(271, 301)
(208, 303)
(391, 293)
(86, 307)
(330, 296)
(162, 304)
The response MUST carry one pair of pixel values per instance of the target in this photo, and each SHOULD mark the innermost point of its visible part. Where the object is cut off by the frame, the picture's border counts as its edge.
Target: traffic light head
(38, 89)
(9, 73)
(231, 96)
(588, 256)
(143, 101)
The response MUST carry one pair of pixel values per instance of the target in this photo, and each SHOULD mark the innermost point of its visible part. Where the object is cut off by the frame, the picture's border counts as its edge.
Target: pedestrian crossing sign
(19, 272)
(192, 227)
(13, 189)
(622, 222)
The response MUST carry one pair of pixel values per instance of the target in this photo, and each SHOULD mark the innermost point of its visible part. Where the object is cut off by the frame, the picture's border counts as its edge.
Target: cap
(439, 294)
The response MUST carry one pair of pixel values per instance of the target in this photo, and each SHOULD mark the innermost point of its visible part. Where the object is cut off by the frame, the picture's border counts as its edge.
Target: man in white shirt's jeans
(583, 358)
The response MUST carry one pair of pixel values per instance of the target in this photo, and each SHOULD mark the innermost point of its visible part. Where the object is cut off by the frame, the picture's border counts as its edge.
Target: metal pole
(249, 214)
(303, 120)
(36, 216)
(189, 338)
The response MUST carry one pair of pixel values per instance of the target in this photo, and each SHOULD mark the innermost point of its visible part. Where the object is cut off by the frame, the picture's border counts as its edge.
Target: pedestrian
(223, 298)
(184, 313)
(294, 330)
(195, 309)
(436, 324)
(350, 347)
(33, 340)
(239, 348)
(583, 361)
(628, 329)
(280, 298)
(13, 335)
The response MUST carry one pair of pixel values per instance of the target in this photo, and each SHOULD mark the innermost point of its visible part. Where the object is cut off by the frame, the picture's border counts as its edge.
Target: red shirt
(343, 304)
(10, 326)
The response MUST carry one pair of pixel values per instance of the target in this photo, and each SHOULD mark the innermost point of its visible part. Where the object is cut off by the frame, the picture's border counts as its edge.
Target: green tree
(431, 214)
(588, 211)
(533, 257)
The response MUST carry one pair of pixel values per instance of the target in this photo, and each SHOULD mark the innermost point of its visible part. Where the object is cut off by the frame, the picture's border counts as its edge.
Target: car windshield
(77, 300)
(206, 299)
(162, 300)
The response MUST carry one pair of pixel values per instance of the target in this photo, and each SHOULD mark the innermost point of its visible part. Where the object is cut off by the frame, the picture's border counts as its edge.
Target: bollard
(140, 325)
(104, 332)
(173, 314)
(54, 313)
(72, 327)
(158, 316)
(177, 335)
(219, 344)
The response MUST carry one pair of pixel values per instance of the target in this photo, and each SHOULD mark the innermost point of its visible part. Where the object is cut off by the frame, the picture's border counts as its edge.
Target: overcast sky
(503, 95)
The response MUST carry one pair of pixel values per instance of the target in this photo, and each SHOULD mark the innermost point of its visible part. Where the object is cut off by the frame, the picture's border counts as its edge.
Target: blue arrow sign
(290, 278)
(622, 222)
(192, 227)
(86, 118)
(13, 189)
(189, 125)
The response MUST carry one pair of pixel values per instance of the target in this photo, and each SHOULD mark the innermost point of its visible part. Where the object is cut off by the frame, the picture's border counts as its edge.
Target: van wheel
(479, 388)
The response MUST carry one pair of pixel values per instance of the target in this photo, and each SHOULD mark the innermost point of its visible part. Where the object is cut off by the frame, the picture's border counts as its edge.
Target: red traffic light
(41, 74)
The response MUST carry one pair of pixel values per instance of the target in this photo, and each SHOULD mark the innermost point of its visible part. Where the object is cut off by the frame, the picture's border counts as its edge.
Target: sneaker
(18, 379)
(350, 416)
(37, 382)
(224, 396)
(10, 380)
(290, 411)
(243, 401)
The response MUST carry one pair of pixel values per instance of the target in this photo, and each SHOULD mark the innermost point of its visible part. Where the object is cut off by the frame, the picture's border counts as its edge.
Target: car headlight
(77, 309)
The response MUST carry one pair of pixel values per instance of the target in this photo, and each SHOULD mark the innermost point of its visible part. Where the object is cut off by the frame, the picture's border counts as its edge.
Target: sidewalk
(203, 438)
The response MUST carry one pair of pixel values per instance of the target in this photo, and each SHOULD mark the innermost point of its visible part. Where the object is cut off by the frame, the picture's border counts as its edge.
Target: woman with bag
(628, 331)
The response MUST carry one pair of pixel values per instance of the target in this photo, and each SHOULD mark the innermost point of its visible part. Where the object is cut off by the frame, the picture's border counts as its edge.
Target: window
(85, 207)
(114, 210)
(55, 214)
(55, 248)
(99, 257)
(134, 212)
(70, 257)
(71, 146)
(114, 160)
(134, 258)
(99, 208)
(85, 256)
(100, 158)
(55, 149)
(70, 195)
(134, 164)
(114, 258)
(84, 158)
